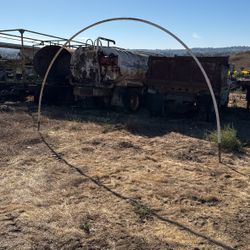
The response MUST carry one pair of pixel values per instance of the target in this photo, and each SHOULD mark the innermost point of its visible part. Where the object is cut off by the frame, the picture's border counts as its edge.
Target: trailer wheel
(132, 100)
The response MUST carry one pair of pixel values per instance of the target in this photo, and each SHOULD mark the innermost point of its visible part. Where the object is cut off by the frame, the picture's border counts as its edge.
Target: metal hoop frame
(158, 27)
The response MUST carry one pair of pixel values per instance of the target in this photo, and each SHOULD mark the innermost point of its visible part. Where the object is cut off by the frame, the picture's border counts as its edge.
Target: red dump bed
(181, 74)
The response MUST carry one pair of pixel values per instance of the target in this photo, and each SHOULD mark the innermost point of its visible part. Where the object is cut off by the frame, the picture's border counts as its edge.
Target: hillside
(241, 60)
(226, 51)
(13, 53)
(9, 53)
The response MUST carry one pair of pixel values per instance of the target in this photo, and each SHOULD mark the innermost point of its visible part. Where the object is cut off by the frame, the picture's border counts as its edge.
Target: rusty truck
(130, 80)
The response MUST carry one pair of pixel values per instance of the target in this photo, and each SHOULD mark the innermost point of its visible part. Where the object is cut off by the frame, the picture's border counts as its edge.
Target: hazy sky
(199, 23)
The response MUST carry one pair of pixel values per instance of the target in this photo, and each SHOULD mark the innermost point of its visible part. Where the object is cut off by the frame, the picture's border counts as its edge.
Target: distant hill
(239, 56)
(227, 51)
(9, 53)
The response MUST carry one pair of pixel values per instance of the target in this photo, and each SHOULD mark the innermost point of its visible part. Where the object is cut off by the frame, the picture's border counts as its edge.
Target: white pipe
(156, 26)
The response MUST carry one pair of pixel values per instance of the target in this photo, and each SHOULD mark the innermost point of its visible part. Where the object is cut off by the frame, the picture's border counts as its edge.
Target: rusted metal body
(160, 80)
(124, 78)
(106, 66)
(180, 76)
(165, 75)
(60, 72)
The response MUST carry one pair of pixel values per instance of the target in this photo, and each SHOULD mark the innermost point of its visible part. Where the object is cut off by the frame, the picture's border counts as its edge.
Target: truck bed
(182, 74)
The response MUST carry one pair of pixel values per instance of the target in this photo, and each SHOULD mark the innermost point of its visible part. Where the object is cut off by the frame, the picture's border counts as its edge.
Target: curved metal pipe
(158, 27)
(90, 41)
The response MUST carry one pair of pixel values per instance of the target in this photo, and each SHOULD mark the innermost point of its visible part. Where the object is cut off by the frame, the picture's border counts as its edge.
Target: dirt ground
(104, 180)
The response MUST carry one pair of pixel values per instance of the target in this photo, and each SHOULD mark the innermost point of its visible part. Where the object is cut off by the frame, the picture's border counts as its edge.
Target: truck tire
(132, 100)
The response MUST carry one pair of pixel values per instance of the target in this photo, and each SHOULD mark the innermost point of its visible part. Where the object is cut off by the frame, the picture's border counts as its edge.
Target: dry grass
(143, 184)
(240, 60)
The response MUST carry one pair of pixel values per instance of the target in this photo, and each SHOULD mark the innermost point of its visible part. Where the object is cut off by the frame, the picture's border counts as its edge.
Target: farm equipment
(126, 79)
(129, 80)
(245, 72)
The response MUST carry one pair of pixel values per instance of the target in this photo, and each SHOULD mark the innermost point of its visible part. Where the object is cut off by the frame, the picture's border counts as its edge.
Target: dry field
(99, 180)
(240, 60)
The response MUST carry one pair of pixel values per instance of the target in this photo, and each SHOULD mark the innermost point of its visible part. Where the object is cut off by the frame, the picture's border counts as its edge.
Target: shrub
(145, 213)
(229, 139)
(86, 227)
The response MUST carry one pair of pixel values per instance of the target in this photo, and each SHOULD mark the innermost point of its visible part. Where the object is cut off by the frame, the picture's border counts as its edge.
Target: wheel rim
(134, 102)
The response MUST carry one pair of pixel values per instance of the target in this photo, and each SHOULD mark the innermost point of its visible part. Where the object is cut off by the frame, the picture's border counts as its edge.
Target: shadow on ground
(135, 203)
(143, 124)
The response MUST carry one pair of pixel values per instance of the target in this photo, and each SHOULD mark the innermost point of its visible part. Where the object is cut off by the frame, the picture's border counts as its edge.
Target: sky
(199, 23)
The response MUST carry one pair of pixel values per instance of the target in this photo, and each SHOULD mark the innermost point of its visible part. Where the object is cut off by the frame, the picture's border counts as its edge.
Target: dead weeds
(91, 192)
